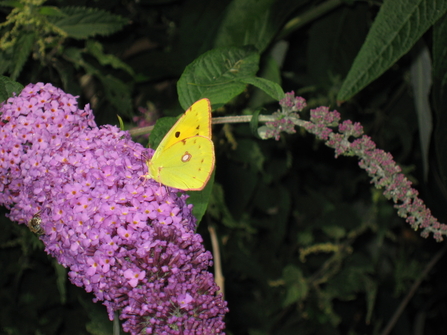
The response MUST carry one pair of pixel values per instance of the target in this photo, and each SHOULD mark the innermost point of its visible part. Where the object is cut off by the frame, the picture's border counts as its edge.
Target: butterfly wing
(186, 165)
(196, 121)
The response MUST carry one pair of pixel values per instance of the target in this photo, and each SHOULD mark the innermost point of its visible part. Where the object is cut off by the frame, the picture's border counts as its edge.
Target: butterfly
(184, 159)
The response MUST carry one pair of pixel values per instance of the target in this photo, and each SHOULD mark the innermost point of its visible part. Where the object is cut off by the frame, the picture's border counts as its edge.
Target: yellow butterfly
(184, 158)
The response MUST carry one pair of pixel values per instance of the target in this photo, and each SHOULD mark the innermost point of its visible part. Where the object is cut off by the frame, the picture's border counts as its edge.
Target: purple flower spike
(284, 119)
(131, 243)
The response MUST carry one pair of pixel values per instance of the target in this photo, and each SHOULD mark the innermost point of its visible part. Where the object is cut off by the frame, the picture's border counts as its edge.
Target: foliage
(308, 245)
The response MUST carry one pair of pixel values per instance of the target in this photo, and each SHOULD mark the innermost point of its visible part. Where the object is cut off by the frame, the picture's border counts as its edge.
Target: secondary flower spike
(131, 243)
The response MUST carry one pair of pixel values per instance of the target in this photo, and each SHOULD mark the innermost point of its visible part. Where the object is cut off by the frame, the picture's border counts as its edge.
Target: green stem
(301, 20)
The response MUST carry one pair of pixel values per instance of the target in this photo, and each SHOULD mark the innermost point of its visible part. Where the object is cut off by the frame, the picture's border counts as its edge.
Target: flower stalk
(350, 141)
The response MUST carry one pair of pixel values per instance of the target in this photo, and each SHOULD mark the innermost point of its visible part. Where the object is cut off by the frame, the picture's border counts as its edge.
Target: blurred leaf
(330, 51)
(5, 61)
(51, 11)
(257, 332)
(351, 279)
(397, 27)
(11, 3)
(217, 208)
(67, 74)
(246, 23)
(341, 216)
(74, 55)
(440, 94)
(253, 22)
(99, 321)
(83, 22)
(117, 93)
(8, 87)
(215, 75)
(61, 280)
(273, 200)
(406, 272)
(96, 49)
(421, 82)
(334, 232)
(305, 237)
(239, 183)
(276, 167)
(296, 285)
(197, 30)
(22, 50)
(371, 289)
(249, 152)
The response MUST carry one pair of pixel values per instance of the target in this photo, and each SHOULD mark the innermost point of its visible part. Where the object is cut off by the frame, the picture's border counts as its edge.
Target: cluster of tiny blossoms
(283, 120)
(380, 166)
(130, 242)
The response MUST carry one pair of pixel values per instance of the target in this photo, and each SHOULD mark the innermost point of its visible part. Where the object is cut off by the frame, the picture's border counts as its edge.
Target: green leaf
(397, 27)
(196, 32)
(16, 4)
(216, 75)
(81, 22)
(253, 22)
(354, 278)
(330, 52)
(296, 285)
(73, 55)
(218, 209)
(67, 74)
(12, 3)
(61, 281)
(249, 152)
(240, 179)
(8, 87)
(246, 22)
(121, 122)
(5, 61)
(99, 323)
(22, 50)
(271, 70)
(117, 92)
(161, 127)
(200, 199)
(51, 11)
(254, 124)
(95, 48)
(269, 87)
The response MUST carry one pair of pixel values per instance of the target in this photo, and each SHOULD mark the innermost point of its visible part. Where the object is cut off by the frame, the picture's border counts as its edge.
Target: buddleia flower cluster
(129, 241)
(350, 140)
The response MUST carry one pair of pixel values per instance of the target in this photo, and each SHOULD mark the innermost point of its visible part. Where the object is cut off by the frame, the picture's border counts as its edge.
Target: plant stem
(412, 291)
